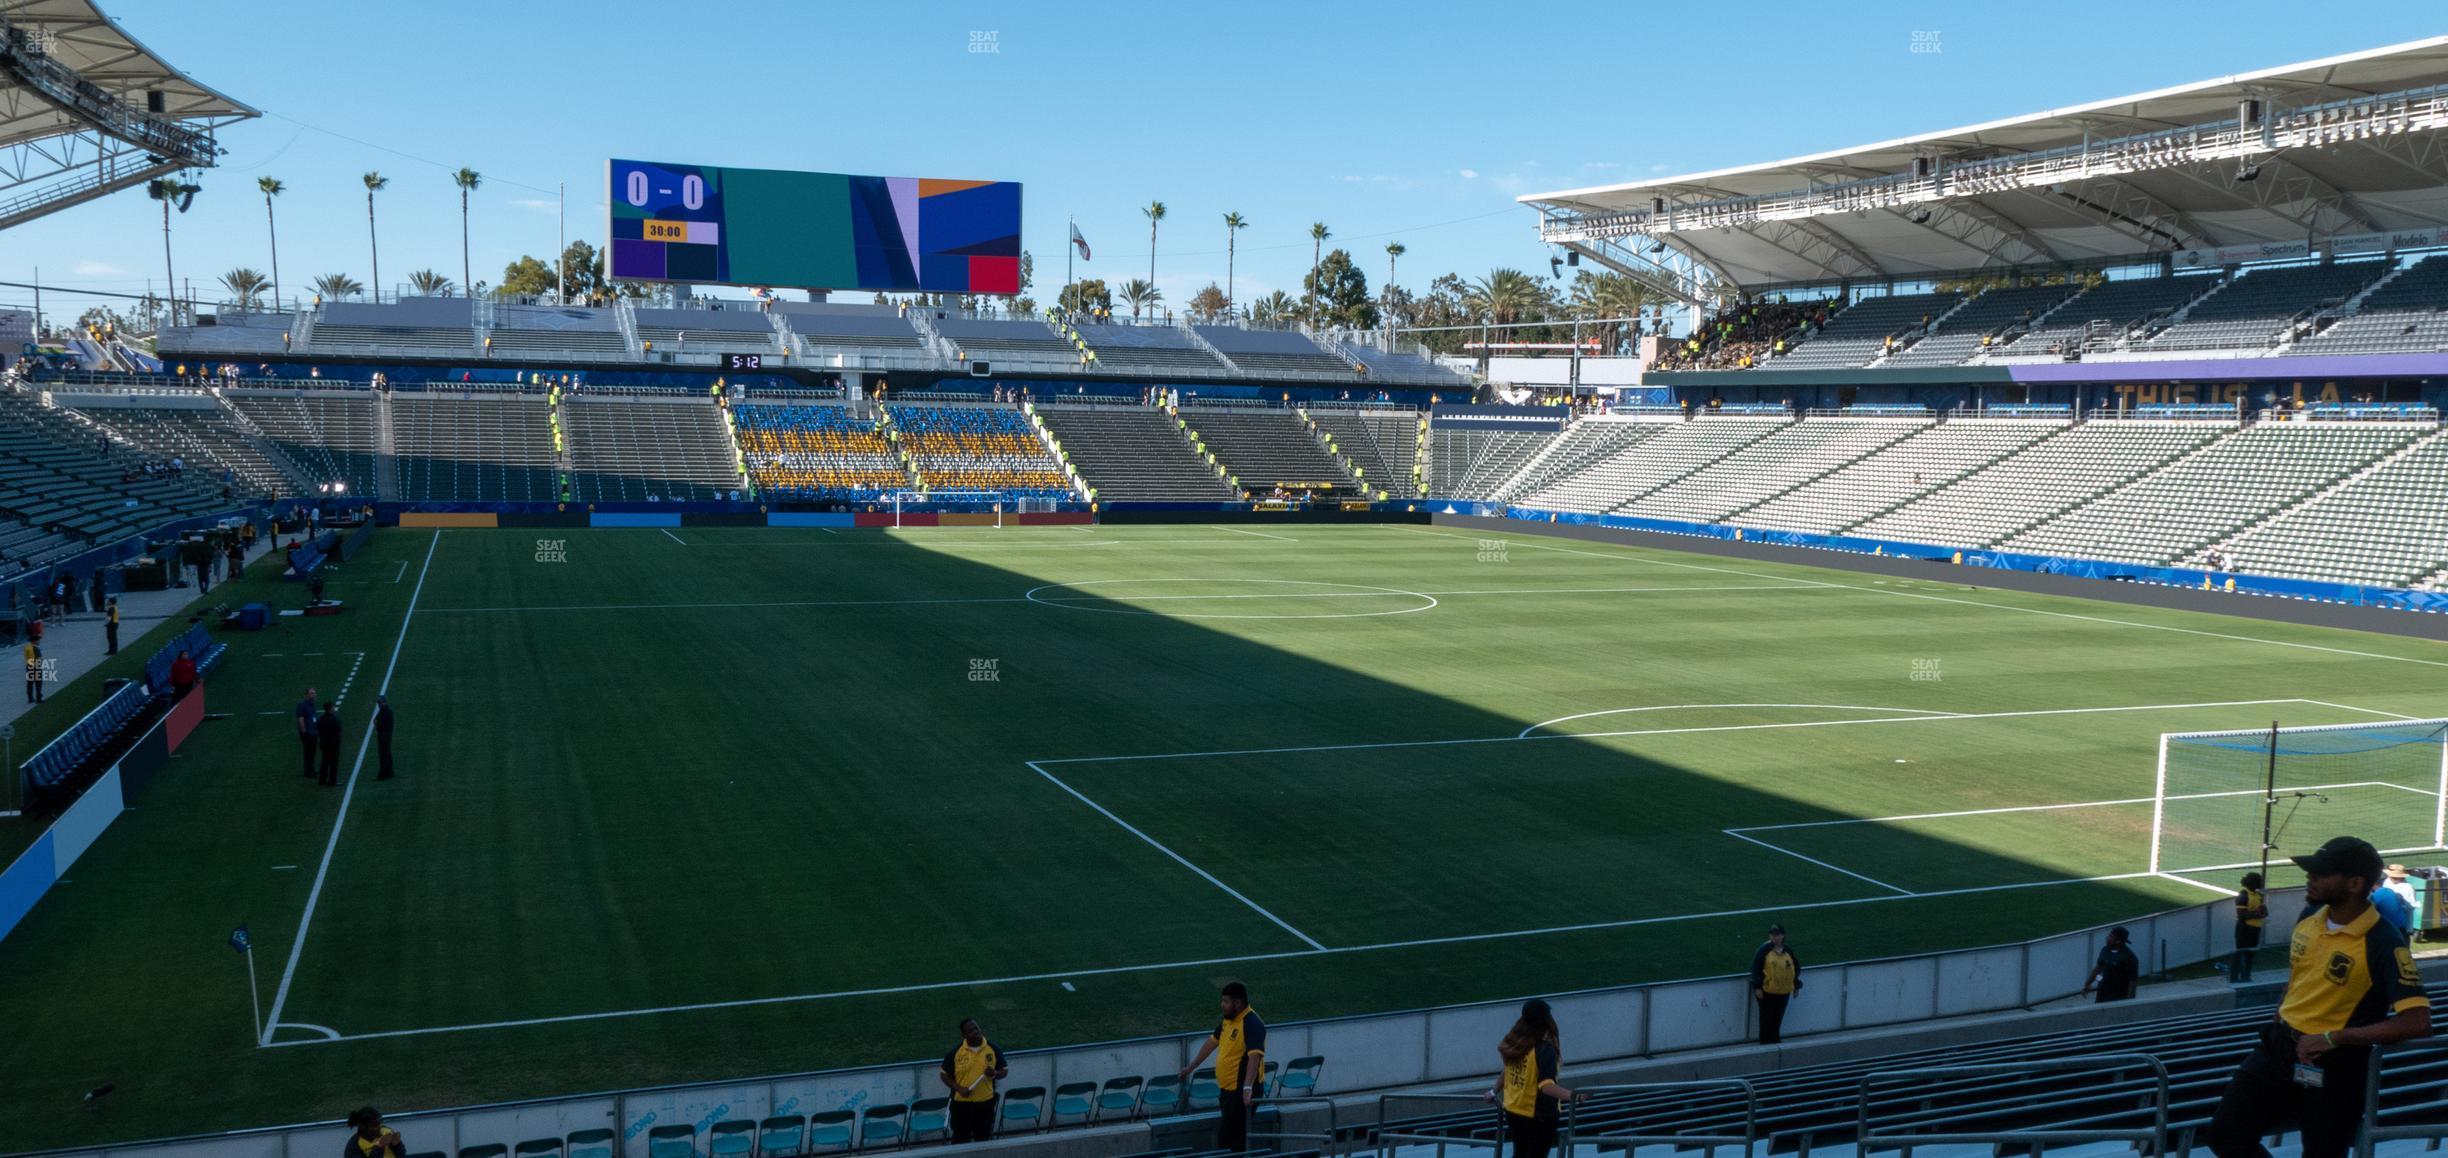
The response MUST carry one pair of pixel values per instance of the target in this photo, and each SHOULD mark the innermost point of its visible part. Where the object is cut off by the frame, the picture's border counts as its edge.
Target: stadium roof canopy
(79, 114)
(2345, 146)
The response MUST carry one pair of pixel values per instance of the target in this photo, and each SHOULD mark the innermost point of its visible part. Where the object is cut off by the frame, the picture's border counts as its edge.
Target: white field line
(1679, 707)
(1815, 860)
(403, 573)
(2196, 884)
(2057, 807)
(2367, 711)
(280, 996)
(1073, 974)
(1925, 719)
(1259, 534)
(1178, 858)
(674, 538)
(1884, 590)
(1087, 599)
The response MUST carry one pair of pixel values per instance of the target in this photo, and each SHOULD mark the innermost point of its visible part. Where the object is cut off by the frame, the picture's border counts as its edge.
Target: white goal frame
(1002, 500)
(2159, 791)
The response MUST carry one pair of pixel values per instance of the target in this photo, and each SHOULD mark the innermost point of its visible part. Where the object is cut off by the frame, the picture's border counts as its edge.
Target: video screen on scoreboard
(833, 231)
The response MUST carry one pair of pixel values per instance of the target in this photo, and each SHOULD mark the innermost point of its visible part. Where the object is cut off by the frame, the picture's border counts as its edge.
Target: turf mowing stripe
(1815, 860)
(280, 996)
(1178, 858)
(1883, 590)
(1144, 598)
(1057, 975)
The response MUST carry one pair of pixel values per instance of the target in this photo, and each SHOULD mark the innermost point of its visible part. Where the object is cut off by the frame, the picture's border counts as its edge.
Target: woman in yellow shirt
(1528, 1090)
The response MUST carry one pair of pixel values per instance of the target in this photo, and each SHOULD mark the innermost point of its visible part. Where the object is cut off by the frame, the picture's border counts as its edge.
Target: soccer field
(699, 803)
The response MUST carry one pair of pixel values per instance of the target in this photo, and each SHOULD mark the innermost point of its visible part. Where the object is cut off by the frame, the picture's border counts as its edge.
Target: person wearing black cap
(2117, 970)
(2351, 985)
(2252, 911)
(1531, 1052)
(1239, 1046)
(1776, 975)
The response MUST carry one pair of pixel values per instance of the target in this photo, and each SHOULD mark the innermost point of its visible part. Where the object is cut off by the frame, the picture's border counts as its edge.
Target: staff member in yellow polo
(369, 1138)
(2351, 985)
(2252, 911)
(970, 1071)
(1776, 975)
(1532, 1053)
(1239, 1046)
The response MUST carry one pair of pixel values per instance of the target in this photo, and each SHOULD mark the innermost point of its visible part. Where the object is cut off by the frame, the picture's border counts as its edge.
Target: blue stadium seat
(832, 1130)
(930, 1118)
(782, 1136)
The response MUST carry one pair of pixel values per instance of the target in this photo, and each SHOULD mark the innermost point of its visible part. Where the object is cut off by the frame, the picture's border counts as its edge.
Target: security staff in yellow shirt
(1532, 1055)
(1776, 975)
(2351, 985)
(369, 1138)
(970, 1071)
(2252, 911)
(1239, 1046)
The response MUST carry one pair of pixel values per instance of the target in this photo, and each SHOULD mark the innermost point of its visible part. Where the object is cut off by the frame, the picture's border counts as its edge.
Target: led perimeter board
(828, 231)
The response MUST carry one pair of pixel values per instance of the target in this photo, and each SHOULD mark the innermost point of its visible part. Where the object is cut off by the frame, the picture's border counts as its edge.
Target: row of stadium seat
(979, 448)
(196, 645)
(60, 759)
(818, 453)
(925, 1119)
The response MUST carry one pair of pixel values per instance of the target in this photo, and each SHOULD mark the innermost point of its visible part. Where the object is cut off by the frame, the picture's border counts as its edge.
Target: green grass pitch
(711, 803)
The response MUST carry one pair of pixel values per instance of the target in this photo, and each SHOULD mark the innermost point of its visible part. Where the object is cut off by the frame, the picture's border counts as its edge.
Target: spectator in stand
(2351, 985)
(2117, 969)
(1776, 975)
(2252, 912)
(182, 676)
(1531, 1052)
(2395, 908)
(369, 1138)
(2398, 882)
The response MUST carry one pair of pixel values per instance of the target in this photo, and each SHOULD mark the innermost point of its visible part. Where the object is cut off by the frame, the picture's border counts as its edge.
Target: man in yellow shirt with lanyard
(1239, 1046)
(369, 1138)
(2351, 985)
(970, 1071)
(2252, 912)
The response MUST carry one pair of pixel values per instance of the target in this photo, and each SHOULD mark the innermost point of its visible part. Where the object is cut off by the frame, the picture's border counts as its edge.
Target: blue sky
(1414, 122)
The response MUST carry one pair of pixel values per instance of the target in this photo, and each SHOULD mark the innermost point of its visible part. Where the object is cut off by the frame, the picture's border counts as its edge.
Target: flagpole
(1070, 250)
(254, 994)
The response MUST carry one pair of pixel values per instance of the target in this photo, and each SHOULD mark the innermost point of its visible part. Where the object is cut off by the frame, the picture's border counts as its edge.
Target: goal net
(2242, 800)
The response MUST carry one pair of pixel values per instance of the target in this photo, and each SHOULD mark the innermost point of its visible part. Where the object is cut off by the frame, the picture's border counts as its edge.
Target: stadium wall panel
(1816, 1008)
(1097, 1063)
(1982, 979)
(1458, 1039)
(960, 519)
(182, 719)
(810, 519)
(1373, 1052)
(25, 881)
(723, 519)
(632, 519)
(1056, 518)
(1889, 992)
(441, 519)
(544, 519)
(1697, 1014)
(1606, 1025)
(77, 829)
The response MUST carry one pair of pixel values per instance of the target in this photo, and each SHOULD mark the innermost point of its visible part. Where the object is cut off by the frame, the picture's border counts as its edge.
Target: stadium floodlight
(2234, 800)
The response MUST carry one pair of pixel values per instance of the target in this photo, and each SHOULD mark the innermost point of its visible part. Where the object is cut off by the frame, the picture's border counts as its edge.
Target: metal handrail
(2150, 1140)
(1386, 1142)
(1748, 1139)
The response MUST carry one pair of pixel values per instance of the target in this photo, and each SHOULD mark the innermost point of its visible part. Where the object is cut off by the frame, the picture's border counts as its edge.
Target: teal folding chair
(1023, 1108)
(782, 1136)
(588, 1144)
(886, 1125)
(1118, 1099)
(667, 1142)
(1300, 1077)
(736, 1138)
(832, 1130)
(1203, 1092)
(538, 1148)
(1161, 1095)
(930, 1119)
(489, 1150)
(1074, 1102)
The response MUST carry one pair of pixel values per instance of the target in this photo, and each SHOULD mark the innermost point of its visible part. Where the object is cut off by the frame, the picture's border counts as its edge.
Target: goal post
(2240, 799)
(978, 502)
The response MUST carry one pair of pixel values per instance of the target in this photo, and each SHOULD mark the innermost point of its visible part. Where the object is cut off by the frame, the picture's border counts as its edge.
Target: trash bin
(2430, 897)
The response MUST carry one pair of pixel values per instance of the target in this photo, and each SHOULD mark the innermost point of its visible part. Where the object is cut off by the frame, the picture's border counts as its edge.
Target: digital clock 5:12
(743, 361)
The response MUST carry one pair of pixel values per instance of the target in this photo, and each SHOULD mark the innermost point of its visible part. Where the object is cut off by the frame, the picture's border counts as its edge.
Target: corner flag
(239, 941)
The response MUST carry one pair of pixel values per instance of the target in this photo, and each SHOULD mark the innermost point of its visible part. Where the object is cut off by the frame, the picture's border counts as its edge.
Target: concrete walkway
(76, 646)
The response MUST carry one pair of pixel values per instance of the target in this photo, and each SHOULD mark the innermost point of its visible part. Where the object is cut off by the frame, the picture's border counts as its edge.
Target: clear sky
(1416, 122)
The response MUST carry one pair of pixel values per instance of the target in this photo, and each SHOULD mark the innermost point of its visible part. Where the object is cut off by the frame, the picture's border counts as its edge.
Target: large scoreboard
(829, 231)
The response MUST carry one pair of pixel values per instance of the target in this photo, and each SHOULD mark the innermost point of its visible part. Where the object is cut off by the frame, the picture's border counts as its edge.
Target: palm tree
(429, 283)
(245, 285)
(335, 286)
(467, 180)
(1274, 307)
(1317, 245)
(1394, 249)
(1155, 212)
(1139, 294)
(272, 188)
(1233, 224)
(374, 182)
(1502, 297)
(1609, 295)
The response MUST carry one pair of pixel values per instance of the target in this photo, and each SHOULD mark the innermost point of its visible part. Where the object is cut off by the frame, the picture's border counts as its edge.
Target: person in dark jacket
(2117, 970)
(382, 735)
(327, 735)
(306, 732)
(110, 625)
(1776, 975)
